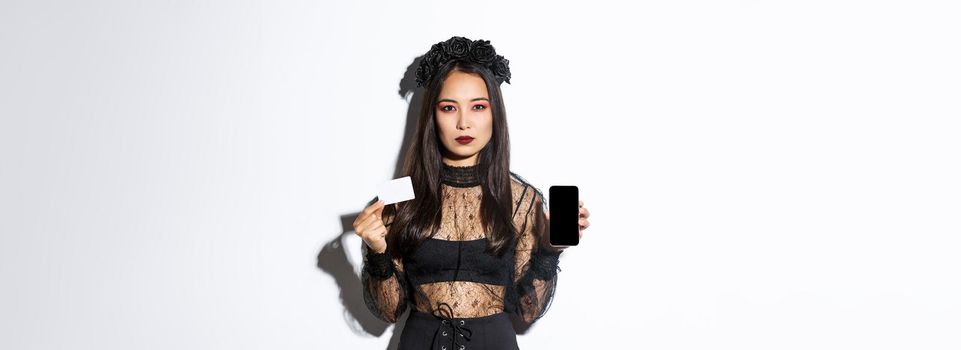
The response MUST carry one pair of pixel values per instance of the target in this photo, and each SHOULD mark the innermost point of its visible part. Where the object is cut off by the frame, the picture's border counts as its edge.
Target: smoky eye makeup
(443, 106)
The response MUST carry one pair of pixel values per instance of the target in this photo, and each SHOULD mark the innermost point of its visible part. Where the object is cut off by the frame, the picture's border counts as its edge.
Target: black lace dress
(461, 296)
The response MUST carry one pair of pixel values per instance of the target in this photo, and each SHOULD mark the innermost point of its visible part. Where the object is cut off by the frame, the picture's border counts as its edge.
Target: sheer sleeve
(384, 283)
(536, 265)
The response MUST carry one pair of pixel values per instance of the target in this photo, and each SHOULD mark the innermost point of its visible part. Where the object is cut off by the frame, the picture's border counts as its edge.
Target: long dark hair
(419, 219)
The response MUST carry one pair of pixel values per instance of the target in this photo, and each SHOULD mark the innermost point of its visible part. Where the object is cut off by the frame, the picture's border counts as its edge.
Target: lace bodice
(452, 268)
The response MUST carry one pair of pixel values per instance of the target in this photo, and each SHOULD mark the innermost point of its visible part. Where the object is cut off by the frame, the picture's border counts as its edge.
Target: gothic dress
(460, 294)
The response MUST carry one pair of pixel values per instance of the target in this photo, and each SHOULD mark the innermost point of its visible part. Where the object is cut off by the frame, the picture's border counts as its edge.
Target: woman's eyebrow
(472, 100)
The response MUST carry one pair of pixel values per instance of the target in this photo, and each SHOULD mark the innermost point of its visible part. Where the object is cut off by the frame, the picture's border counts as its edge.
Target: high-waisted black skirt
(426, 331)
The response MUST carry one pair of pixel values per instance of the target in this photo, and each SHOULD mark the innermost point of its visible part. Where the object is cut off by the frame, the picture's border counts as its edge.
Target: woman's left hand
(582, 222)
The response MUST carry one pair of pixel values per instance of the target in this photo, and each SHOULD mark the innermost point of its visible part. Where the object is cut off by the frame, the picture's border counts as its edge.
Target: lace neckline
(459, 176)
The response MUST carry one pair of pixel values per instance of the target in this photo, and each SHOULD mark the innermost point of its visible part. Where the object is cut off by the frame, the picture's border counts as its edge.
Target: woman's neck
(459, 176)
(459, 161)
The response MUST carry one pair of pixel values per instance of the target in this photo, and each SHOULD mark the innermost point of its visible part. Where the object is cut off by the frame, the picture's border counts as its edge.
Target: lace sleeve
(536, 265)
(385, 287)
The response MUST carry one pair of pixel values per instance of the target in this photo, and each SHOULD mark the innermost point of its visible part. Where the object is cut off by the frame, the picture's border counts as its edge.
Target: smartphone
(565, 213)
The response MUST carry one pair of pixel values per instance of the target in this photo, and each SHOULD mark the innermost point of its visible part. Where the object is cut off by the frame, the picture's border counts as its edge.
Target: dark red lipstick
(464, 139)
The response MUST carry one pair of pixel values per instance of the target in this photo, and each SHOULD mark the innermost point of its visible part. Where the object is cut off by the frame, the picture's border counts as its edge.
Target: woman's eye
(481, 107)
(444, 108)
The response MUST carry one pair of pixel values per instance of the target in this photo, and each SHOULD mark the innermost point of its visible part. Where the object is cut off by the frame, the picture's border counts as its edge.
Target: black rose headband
(463, 49)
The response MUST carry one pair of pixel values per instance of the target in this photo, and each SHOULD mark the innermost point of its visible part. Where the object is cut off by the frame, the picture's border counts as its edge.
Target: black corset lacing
(458, 329)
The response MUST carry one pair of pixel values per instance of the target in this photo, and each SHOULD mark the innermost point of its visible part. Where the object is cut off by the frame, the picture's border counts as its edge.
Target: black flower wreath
(462, 49)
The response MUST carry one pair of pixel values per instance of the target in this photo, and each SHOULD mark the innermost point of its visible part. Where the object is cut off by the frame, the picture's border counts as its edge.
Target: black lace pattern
(482, 287)
(459, 176)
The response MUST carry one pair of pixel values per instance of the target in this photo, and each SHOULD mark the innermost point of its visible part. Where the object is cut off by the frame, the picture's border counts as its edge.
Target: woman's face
(463, 109)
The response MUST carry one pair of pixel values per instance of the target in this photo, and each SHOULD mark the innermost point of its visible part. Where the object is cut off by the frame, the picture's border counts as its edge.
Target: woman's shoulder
(524, 192)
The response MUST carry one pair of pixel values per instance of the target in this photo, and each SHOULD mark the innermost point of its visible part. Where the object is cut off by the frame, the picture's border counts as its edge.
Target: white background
(761, 175)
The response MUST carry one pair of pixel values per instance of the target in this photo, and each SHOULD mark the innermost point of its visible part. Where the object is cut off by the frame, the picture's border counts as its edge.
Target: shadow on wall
(334, 257)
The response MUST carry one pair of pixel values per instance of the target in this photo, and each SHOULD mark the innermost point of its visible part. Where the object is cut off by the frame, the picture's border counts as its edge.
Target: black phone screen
(565, 212)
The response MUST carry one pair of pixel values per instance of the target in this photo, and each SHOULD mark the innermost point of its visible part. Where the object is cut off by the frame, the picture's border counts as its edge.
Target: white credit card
(396, 190)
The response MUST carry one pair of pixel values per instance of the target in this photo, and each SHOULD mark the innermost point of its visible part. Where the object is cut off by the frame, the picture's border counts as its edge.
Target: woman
(472, 246)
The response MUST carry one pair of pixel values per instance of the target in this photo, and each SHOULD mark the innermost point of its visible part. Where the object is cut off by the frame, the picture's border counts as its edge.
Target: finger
(356, 222)
(374, 220)
(380, 232)
(378, 211)
(584, 213)
(373, 228)
(580, 203)
(367, 220)
(371, 208)
(368, 211)
(361, 221)
(371, 232)
(547, 213)
(584, 223)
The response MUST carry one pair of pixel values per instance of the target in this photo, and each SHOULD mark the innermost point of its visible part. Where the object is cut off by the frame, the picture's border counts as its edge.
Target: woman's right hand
(370, 227)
